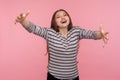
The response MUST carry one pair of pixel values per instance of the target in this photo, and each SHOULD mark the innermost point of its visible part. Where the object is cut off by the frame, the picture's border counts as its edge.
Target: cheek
(68, 21)
(57, 21)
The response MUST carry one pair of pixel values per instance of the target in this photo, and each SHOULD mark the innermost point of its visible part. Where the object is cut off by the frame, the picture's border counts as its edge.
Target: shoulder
(51, 31)
(76, 28)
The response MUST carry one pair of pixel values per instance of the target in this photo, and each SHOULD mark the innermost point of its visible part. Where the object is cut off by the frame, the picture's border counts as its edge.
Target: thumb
(27, 13)
(101, 30)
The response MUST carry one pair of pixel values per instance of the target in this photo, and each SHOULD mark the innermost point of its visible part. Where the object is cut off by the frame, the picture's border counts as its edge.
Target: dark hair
(53, 23)
(55, 27)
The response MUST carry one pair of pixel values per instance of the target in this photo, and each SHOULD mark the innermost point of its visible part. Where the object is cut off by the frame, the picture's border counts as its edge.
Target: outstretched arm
(89, 34)
(29, 26)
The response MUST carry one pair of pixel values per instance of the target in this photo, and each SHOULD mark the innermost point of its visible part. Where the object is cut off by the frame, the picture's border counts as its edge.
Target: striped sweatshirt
(62, 51)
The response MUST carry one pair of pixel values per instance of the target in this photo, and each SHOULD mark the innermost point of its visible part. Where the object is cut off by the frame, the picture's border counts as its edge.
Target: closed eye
(65, 14)
(58, 17)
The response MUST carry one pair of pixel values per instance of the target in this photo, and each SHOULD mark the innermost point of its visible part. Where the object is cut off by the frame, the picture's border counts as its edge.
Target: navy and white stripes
(62, 51)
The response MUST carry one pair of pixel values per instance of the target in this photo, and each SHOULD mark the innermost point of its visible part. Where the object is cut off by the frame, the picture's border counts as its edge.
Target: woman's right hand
(22, 19)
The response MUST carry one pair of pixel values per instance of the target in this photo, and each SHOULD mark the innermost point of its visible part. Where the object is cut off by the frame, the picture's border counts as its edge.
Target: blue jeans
(51, 77)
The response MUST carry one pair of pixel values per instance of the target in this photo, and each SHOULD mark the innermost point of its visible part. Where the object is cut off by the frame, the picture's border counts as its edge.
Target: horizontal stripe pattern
(62, 51)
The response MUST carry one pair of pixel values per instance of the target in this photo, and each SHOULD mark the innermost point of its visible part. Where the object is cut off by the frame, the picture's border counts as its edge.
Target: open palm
(104, 34)
(22, 17)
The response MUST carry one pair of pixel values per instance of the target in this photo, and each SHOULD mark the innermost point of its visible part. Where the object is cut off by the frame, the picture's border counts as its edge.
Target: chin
(64, 26)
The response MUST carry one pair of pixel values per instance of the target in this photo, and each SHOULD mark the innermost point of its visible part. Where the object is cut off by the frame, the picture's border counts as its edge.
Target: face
(62, 19)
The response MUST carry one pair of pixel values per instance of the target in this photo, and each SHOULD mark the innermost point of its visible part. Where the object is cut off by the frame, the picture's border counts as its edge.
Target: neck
(63, 32)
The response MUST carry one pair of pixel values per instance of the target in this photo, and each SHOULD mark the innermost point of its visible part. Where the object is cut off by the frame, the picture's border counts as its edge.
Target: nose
(62, 16)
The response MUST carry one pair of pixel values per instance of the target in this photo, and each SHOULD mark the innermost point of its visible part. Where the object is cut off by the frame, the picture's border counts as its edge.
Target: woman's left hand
(104, 35)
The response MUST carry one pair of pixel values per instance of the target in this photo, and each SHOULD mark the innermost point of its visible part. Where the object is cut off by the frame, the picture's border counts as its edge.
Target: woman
(63, 42)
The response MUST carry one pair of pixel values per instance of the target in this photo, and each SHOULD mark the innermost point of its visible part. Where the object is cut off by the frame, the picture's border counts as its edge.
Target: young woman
(63, 42)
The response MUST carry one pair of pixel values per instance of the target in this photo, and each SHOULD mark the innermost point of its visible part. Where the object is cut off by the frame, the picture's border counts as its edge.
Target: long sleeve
(87, 34)
(32, 28)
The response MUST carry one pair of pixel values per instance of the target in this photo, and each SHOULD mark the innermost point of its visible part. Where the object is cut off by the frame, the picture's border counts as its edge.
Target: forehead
(60, 12)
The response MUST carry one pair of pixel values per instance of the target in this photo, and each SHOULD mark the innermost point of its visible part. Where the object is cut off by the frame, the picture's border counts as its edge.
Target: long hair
(56, 28)
(53, 22)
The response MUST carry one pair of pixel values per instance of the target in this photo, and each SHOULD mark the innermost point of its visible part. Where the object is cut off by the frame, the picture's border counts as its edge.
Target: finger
(27, 13)
(105, 40)
(16, 21)
(21, 15)
(101, 25)
(18, 17)
(106, 37)
(106, 33)
(101, 30)
(103, 43)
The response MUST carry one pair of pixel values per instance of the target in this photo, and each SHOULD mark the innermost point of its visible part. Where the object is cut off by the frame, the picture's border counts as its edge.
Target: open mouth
(63, 21)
